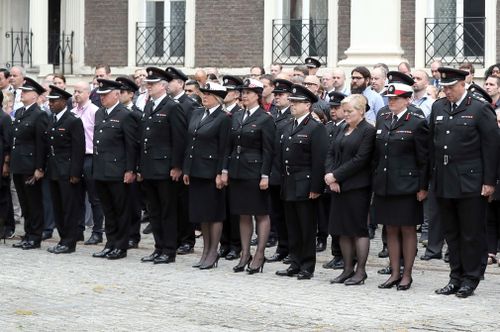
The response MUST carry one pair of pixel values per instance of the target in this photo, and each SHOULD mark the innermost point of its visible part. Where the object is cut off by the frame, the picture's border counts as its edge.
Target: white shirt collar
(461, 99)
(179, 95)
(109, 110)
(211, 110)
(281, 112)
(338, 123)
(252, 110)
(60, 114)
(299, 120)
(230, 107)
(158, 100)
(400, 115)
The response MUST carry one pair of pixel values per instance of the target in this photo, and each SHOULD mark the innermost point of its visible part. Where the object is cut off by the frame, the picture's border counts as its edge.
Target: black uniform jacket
(28, 145)
(5, 139)
(464, 147)
(401, 156)
(281, 122)
(163, 139)
(350, 162)
(206, 144)
(115, 144)
(249, 154)
(66, 147)
(302, 156)
(188, 106)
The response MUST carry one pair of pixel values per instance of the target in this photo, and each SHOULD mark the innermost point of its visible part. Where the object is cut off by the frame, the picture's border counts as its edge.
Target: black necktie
(454, 107)
(394, 120)
(247, 115)
(295, 124)
(54, 118)
(21, 111)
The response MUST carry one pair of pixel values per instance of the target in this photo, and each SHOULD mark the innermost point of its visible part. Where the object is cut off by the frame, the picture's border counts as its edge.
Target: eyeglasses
(309, 83)
(357, 78)
(139, 76)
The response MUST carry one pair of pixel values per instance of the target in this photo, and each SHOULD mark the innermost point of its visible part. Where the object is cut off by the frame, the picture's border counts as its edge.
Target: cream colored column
(333, 33)
(490, 36)
(38, 23)
(73, 19)
(190, 33)
(375, 33)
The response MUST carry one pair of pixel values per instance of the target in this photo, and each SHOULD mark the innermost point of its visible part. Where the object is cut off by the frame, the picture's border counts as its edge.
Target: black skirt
(246, 198)
(349, 212)
(206, 202)
(400, 210)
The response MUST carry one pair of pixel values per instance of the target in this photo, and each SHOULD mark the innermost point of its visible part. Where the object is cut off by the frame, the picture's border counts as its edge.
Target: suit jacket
(163, 139)
(188, 106)
(115, 144)
(29, 144)
(66, 147)
(400, 162)
(281, 122)
(249, 153)
(207, 140)
(5, 140)
(463, 147)
(302, 155)
(235, 109)
(95, 98)
(349, 157)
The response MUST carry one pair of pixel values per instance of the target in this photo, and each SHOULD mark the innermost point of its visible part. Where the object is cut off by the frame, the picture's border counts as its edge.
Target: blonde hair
(7, 97)
(357, 101)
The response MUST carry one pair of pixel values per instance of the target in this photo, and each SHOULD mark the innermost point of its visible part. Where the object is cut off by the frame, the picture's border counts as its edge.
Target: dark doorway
(474, 27)
(54, 31)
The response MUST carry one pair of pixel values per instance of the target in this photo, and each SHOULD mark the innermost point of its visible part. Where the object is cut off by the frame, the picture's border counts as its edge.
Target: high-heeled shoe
(389, 284)
(405, 287)
(211, 266)
(341, 279)
(351, 281)
(197, 265)
(257, 269)
(241, 266)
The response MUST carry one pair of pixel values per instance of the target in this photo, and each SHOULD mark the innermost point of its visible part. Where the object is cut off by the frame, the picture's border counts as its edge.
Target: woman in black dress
(348, 174)
(400, 176)
(248, 164)
(208, 135)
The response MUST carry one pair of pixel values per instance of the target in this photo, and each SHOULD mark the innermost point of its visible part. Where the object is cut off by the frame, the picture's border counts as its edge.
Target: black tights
(354, 247)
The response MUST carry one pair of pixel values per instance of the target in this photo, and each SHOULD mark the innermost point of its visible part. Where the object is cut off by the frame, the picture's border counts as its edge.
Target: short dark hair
(61, 76)
(363, 71)
(301, 68)
(5, 71)
(106, 67)
(277, 64)
(496, 78)
(406, 64)
(262, 70)
(267, 77)
(467, 66)
(193, 82)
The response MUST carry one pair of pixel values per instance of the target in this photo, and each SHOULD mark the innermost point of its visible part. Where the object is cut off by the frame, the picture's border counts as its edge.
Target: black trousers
(302, 233)
(30, 199)
(325, 203)
(95, 203)
(464, 221)
(323, 215)
(163, 200)
(135, 211)
(67, 202)
(115, 199)
(435, 235)
(493, 226)
(185, 229)
(230, 238)
(6, 210)
(49, 221)
(277, 217)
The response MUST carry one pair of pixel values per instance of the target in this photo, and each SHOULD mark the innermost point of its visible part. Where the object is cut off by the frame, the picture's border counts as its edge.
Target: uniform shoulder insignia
(478, 97)
(384, 113)
(176, 100)
(417, 115)
(329, 122)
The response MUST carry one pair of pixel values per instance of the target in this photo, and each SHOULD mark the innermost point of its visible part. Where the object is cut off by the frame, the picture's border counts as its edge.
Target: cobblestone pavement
(40, 291)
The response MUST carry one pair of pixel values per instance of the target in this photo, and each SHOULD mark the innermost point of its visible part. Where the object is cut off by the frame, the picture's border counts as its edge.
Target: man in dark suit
(464, 146)
(28, 161)
(7, 223)
(102, 71)
(282, 117)
(127, 92)
(66, 144)
(114, 166)
(303, 149)
(230, 241)
(185, 232)
(162, 144)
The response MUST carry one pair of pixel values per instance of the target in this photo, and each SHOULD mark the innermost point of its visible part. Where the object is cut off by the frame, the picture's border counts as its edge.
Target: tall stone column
(73, 19)
(39, 16)
(375, 34)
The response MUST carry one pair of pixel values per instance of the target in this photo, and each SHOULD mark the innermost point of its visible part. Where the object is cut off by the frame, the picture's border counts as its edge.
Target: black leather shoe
(117, 254)
(276, 258)
(19, 244)
(63, 249)
(446, 257)
(254, 242)
(290, 272)
(80, 237)
(407, 286)
(271, 242)
(164, 259)
(353, 281)
(31, 245)
(320, 246)
(95, 238)
(185, 249)
(336, 263)
(429, 257)
(133, 244)
(384, 253)
(389, 284)
(304, 275)
(287, 260)
(232, 255)
(151, 257)
(103, 253)
(46, 235)
(223, 251)
(385, 270)
(148, 229)
(447, 290)
(52, 249)
(342, 278)
(464, 291)
(371, 233)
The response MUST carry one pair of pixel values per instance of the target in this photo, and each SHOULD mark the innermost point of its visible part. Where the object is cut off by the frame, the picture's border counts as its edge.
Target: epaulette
(417, 115)
(329, 122)
(479, 97)
(384, 113)
(176, 100)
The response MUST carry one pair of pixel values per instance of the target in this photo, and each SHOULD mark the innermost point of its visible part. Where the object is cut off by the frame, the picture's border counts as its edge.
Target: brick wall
(106, 32)
(408, 30)
(344, 28)
(498, 37)
(229, 33)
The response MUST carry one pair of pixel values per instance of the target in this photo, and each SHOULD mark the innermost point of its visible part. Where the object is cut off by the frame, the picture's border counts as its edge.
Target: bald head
(285, 75)
(338, 76)
(82, 93)
(201, 76)
(312, 83)
(17, 76)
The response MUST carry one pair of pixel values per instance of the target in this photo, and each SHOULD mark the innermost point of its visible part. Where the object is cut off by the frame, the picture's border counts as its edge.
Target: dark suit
(162, 144)
(115, 152)
(302, 155)
(95, 98)
(66, 144)
(464, 146)
(28, 154)
(277, 215)
(185, 231)
(6, 209)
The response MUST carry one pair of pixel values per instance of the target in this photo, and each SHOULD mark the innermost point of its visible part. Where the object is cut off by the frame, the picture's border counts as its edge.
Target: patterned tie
(394, 120)
(247, 115)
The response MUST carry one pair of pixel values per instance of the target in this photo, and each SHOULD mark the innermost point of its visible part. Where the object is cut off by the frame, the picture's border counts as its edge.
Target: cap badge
(294, 90)
(150, 73)
(226, 80)
(443, 75)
